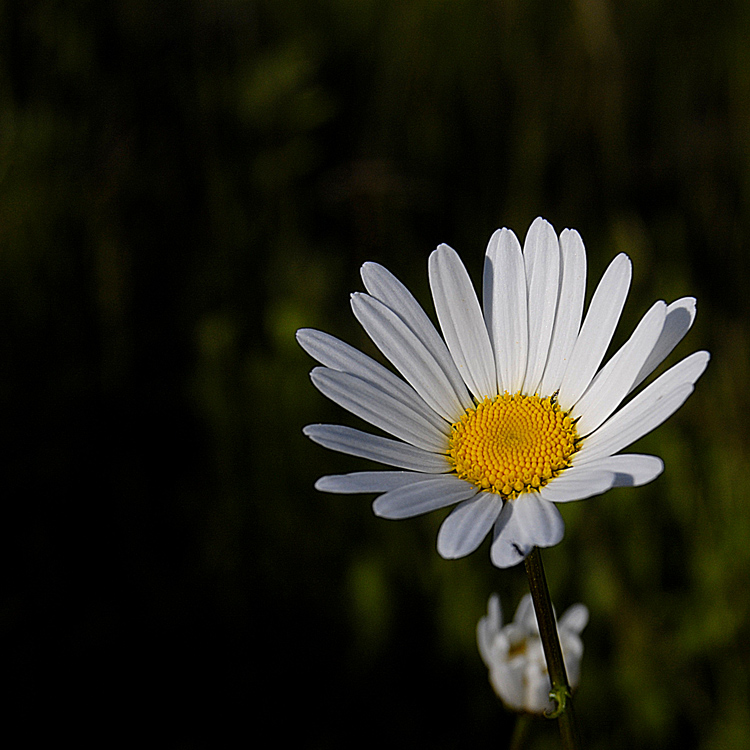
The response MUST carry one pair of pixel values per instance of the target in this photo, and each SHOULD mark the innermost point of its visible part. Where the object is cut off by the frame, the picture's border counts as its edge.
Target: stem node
(545, 616)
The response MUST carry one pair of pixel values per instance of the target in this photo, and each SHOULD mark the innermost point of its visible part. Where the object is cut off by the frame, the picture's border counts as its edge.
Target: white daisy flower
(514, 654)
(507, 413)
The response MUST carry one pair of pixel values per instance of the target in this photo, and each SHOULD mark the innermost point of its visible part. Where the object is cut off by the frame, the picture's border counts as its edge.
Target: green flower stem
(521, 731)
(561, 692)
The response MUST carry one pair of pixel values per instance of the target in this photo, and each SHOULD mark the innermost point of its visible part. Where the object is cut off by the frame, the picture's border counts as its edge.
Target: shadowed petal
(376, 448)
(528, 521)
(409, 354)
(613, 381)
(597, 330)
(385, 410)
(467, 525)
(436, 492)
(646, 411)
(339, 356)
(368, 481)
(680, 316)
(577, 484)
(630, 469)
(384, 286)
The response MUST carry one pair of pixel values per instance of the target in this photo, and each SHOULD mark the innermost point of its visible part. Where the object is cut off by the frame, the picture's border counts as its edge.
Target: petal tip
(541, 224)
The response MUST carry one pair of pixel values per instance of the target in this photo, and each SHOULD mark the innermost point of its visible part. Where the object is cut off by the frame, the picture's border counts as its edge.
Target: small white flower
(515, 656)
(508, 412)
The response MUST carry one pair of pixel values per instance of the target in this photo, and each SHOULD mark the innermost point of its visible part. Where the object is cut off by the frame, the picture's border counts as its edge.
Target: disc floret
(512, 443)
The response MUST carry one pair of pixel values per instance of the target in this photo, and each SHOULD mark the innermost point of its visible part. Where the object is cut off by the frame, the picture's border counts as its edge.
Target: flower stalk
(561, 693)
(520, 732)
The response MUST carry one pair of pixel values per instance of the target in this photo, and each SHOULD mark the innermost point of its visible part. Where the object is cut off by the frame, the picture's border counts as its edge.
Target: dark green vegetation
(182, 185)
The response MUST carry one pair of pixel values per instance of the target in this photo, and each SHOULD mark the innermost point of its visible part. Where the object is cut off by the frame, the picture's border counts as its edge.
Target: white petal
(528, 521)
(575, 619)
(467, 525)
(505, 308)
(494, 613)
(367, 481)
(383, 409)
(597, 330)
(577, 484)
(569, 310)
(376, 448)
(613, 381)
(410, 356)
(436, 492)
(680, 316)
(488, 628)
(461, 321)
(630, 469)
(541, 255)
(509, 683)
(541, 520)
(384, 286)
(572, 647)
(503, 554)
(646, 411)
(538, 688)
(525, 616)
(337, 355)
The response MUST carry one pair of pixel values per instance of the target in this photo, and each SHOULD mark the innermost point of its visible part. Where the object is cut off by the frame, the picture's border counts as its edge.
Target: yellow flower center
(512, 444)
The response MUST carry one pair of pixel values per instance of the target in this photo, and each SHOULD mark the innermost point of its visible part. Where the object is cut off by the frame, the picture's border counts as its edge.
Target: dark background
(182, 185)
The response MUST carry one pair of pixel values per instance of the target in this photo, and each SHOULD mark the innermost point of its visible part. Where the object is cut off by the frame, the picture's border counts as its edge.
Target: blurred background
(182, 186)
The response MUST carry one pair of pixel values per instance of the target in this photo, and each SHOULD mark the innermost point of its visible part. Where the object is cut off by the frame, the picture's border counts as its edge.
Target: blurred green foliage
(182, 186)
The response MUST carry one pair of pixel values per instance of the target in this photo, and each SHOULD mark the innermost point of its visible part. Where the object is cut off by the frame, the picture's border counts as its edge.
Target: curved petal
(572, 647)
(597, 330)
(525, 617)
(680, 316)
(509, 683)
(613, 381)
(543, 524)
(503, 554)
(575, 619)
(382, 409)
(505, 308)
(436, 492)
(339, 356)
(467, 525)
(630, 469)
(528, 521)
(577, 484)
(541, 255)
(385, 287)
(646, 411)
(538, 688)
(488, 628)
(569, 310)
(409, 354)
(461, 321)
(367, 481)
(384, 450)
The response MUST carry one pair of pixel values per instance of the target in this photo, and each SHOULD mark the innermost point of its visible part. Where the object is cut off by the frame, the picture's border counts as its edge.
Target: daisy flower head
(514, 654)
(508, 413)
